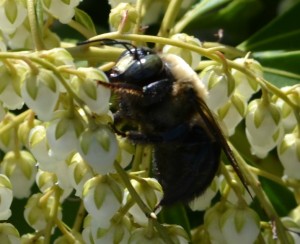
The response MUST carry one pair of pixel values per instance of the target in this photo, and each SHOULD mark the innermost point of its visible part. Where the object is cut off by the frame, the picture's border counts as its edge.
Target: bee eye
(137, 70)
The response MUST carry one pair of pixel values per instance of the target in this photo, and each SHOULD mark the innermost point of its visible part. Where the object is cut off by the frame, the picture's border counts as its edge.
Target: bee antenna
(110, 42)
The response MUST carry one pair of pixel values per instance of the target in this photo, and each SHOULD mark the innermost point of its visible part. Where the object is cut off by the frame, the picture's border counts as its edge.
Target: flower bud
(246, 86)
(190, 57)
(150, 192)
(20, 169)
(27, 239)
(240, 225)
(95, 96)
(98, 147)
(102, 198)
(263, 127)
(219, 84)
(141, 235)
(38, 211)
(7, 141)
(9, 234)
(6, 196)
(289, 154)
(40, 93)
(123, 17)
(57, 56)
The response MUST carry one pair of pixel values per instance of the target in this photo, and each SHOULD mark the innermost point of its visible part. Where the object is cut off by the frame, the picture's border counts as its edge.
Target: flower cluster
(55, 134)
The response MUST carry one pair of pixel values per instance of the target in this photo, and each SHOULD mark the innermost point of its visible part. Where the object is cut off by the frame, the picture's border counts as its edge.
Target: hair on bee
(165, 97)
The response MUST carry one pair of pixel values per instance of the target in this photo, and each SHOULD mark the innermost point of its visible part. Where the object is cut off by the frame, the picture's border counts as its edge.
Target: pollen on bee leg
(121, 88)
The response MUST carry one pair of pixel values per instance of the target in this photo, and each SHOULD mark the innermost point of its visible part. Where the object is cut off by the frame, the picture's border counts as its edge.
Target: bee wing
(216, 132)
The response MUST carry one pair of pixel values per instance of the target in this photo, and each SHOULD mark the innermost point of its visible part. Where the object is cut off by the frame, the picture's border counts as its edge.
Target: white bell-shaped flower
(289, 154)
(63, 133)
(232, 113)
(38, 146)
(289, 120)
(190, 57)
(240, 225)
(40, 93)
(99, 147)
(95, 96)
(20, 168)
(62, 10)
(12, 15)
(10, 86)
(6, 196)
(212, 223)
(245, 85)
(220, 86)
(263, 127)
(102, 197)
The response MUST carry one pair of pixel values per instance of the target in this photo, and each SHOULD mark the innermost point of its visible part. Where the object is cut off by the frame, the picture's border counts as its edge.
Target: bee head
(137, 66)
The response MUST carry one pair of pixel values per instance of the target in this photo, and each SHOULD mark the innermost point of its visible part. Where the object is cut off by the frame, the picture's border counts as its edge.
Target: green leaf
(198, 10)
(287, 61)
(84, 19)
(283, 33)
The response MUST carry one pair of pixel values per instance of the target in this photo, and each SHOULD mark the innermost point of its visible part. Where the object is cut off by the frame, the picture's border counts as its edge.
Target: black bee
(165, 97)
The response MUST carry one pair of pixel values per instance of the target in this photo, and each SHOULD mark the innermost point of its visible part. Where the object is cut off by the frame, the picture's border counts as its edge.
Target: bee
(164, 96)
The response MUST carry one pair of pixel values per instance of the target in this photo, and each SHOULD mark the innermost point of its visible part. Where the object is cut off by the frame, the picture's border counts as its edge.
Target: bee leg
(171, 135)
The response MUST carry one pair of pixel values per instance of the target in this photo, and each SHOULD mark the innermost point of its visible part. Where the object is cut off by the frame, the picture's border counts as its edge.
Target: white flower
(246, 86)
(21, 170)
(12, 15)
(263, 127)
(95, 96)
(289, 154)
(10, 86)
(63, 133)
(240, 225)
(62, 10)
(6, 196)
(38, 146)
(190, 57)
(232, 112)
(102, 198)
(99, 148)
(212, 223)
(219, 84)
(40, 93)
